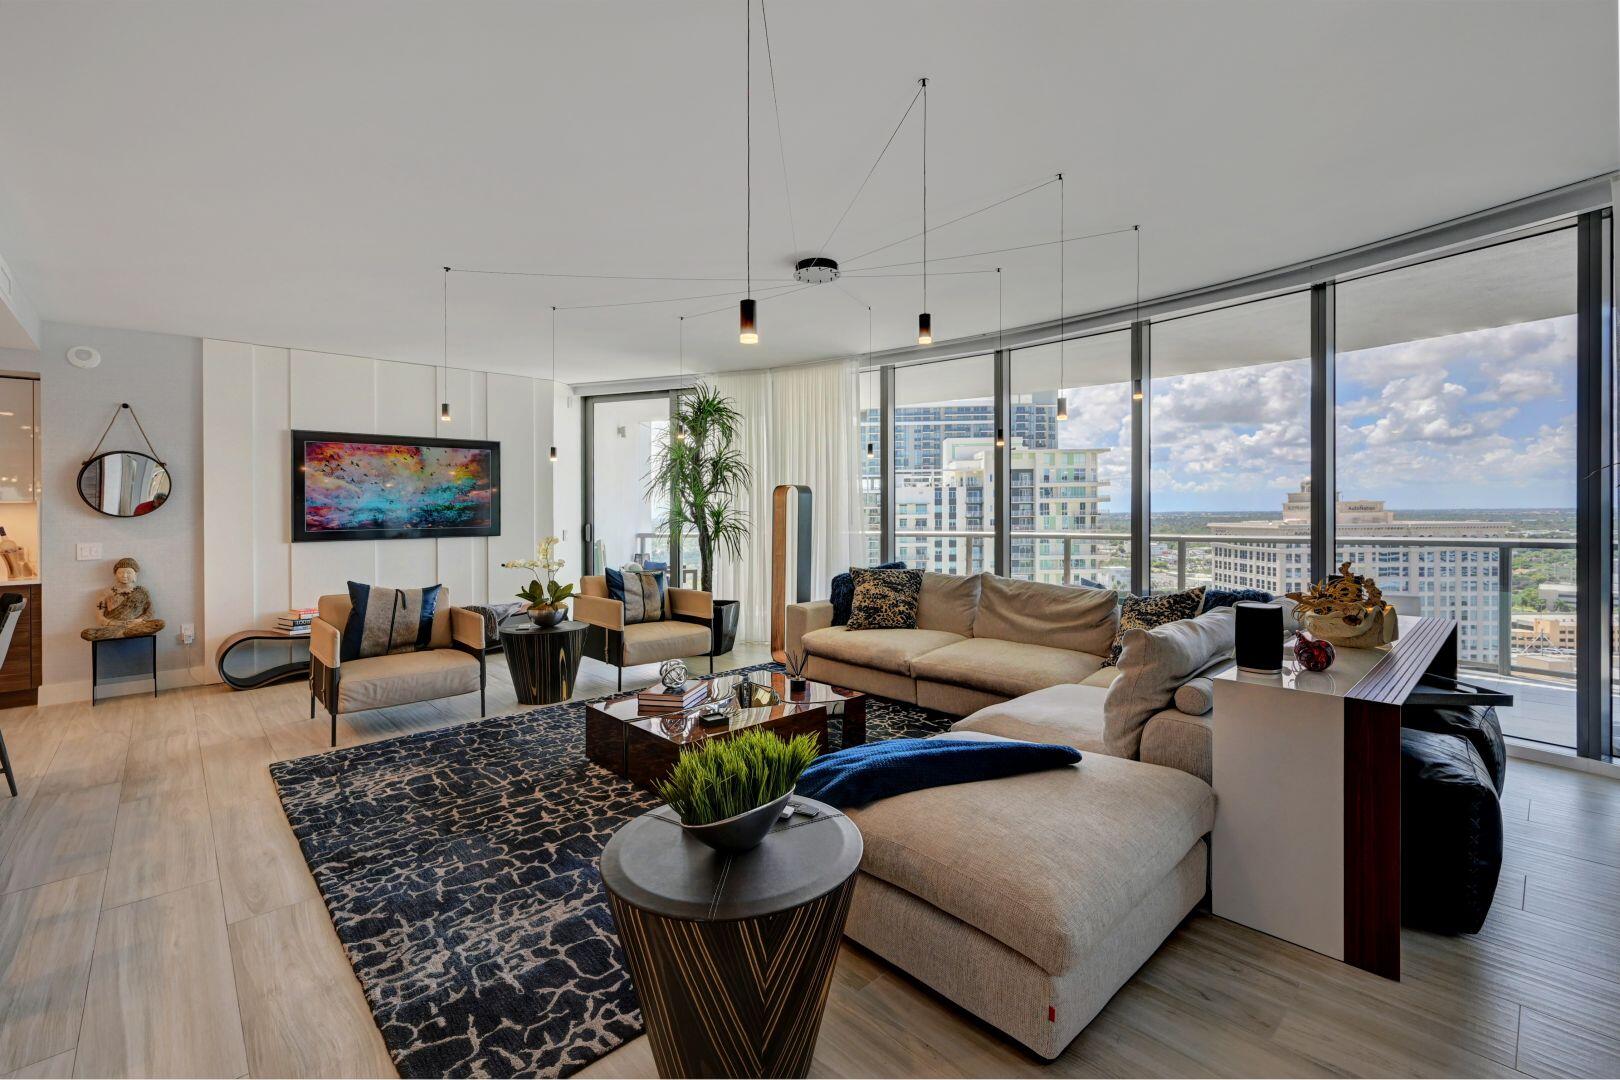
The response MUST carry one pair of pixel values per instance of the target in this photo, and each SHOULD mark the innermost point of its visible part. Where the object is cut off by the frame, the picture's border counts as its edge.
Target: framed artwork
(348, 486)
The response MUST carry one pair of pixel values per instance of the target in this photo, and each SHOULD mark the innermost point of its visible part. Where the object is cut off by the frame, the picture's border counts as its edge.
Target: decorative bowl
(741, 832)
(547, 615)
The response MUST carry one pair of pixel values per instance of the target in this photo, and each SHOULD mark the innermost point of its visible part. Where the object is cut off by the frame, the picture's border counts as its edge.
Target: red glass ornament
(1313, 654)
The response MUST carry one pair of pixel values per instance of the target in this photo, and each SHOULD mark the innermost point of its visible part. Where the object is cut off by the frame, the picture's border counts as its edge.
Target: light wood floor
(156, 918)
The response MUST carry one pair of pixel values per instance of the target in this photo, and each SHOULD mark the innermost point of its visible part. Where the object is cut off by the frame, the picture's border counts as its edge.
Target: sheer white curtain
(735, 579)
(800, 427)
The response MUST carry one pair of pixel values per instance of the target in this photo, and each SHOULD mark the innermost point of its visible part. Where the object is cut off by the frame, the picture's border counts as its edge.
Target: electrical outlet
(87, 552)
(188, 633)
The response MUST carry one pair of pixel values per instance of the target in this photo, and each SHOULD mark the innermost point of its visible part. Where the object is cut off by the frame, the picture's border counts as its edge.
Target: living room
(570, 539)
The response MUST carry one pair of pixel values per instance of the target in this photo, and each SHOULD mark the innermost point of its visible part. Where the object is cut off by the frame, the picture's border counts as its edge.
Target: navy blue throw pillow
(383, 620)
(1214, 598)
(874, 771)
(641, 592)
(842, 592)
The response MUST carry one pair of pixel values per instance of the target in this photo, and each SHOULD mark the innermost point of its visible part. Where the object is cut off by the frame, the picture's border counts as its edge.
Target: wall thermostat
(83, 356)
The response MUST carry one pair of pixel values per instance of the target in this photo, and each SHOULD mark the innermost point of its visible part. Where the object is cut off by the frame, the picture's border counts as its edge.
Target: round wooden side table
(543, 660)
(732, 956)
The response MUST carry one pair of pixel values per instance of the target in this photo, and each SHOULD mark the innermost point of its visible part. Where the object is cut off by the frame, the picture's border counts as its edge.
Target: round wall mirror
(124, 483)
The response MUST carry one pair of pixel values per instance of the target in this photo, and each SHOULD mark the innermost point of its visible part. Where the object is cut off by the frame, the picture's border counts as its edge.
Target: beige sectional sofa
(1030, 900)
(979, 641)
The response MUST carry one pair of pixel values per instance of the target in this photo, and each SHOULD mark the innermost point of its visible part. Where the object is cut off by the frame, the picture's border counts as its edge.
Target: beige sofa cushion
(1070, 714)
(1179, 741)
(1153, 664)
(1003, 667)
(334, 610)
(948, 602)
(1035, 613)
(655, 642)
(401, 678)
(886, 650)
(1049, 885)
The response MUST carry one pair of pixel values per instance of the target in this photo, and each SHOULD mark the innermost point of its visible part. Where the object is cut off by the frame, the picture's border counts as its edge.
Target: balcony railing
(981, 548)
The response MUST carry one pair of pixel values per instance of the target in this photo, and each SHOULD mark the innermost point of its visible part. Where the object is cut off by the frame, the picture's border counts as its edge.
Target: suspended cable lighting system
(925, 321)
(747, 324)
(554, 365)
(444, 404)
(680, 372)
(1063, 307)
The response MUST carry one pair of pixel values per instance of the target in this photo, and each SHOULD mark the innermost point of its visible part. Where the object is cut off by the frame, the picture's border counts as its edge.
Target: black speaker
(1259, 637)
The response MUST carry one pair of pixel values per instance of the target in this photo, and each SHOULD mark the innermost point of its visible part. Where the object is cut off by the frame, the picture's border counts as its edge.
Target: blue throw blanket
(862, 774)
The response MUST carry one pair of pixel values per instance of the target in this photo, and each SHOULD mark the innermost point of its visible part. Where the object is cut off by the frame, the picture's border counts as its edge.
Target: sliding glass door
(624, 522)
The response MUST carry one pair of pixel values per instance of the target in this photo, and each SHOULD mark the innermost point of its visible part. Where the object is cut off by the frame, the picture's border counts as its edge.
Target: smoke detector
(83, 356)
(816, 271)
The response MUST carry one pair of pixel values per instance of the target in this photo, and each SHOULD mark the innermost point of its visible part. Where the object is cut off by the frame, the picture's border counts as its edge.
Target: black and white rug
(459, 867)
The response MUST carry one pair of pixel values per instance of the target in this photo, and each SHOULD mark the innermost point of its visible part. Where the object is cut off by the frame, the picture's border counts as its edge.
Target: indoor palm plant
(701, 468)
(729, 791)
(548, 599)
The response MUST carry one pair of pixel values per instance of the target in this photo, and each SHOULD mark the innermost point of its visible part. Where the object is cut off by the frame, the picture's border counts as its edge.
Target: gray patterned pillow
(884, 599)
(1146, 612)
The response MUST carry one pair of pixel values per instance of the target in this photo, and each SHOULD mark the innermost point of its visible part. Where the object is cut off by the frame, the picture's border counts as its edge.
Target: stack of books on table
(296, 620)
(661, 699)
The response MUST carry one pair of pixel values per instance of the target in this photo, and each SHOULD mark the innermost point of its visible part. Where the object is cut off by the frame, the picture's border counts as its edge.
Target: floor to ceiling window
(1456, 459)
(1071, 477)
(1231, 447)
(944, 465)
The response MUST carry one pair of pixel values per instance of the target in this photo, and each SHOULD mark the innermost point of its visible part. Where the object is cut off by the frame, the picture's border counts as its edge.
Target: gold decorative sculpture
(125, 610)
(1348, 611)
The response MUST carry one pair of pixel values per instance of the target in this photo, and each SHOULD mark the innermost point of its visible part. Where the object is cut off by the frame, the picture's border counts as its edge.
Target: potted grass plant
(729, 791)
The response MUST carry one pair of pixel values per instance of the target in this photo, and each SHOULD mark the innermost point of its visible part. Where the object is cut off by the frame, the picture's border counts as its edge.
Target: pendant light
(871, 445)
(1136, 387)
(680, 352)
(747, 324)
(1063, 307)
(925, 321)
(444, 405)
(1001, 433)
(553, 366)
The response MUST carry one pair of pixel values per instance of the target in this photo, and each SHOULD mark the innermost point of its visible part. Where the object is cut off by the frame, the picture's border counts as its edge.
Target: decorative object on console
(124, 483)
(124, 610)
(1313, 654)
(385, 487)
(1347, 610)
(884, 599)
(841, 594)
(1147, 612)
(672, 673)
(728, 792)
(547, 600)
(383, 620)
(1259, 636)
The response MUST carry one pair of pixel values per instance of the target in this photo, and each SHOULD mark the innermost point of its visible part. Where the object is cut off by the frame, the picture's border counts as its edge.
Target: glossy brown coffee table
(852, 702)
(652, 744)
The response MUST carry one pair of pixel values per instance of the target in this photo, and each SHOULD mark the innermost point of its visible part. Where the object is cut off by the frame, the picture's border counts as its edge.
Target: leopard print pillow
(1146, 612)
(884, 599)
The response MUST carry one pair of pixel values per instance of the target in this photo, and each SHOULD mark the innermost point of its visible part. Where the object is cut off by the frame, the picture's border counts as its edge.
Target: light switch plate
(87, 552)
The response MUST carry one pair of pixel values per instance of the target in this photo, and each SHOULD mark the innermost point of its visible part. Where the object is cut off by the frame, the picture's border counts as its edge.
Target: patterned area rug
(459, 867)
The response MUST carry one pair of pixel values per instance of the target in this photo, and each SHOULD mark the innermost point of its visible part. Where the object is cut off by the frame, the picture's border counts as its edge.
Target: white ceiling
(296, 173)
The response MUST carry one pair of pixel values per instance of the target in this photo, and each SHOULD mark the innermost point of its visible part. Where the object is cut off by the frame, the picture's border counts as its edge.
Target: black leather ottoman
(1451, 834)
(1477, 724)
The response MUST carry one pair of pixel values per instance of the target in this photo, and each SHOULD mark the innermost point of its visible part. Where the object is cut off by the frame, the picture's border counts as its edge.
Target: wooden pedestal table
(732, 956)
(543, 660)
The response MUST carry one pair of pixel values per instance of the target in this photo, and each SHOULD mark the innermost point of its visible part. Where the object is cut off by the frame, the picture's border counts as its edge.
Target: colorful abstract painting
(347, 488)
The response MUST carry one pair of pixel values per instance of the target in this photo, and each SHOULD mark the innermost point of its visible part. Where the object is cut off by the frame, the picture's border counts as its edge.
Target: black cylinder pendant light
(554, 365)
(925, 321)
(747, 324)
(444, 405)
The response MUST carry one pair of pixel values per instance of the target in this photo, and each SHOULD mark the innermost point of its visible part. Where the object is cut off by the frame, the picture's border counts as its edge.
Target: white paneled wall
(254, 396)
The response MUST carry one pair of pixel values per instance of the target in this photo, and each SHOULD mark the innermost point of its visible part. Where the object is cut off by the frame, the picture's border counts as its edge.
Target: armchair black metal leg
(5, 763)
(619, 671)
(334, 727)
(312, 701)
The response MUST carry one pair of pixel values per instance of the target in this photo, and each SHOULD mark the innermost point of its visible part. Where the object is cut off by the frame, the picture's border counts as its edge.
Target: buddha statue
(125, 610)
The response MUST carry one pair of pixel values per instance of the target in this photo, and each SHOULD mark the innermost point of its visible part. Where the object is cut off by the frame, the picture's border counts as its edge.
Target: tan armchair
(685, 630)
(452, 664)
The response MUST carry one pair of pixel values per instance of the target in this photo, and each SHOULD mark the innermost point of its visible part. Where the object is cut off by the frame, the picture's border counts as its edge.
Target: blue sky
(1482, 419)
